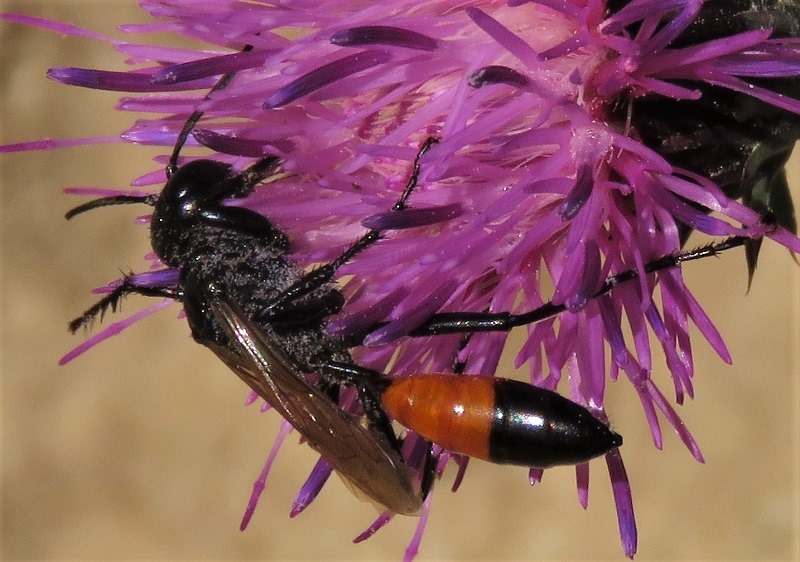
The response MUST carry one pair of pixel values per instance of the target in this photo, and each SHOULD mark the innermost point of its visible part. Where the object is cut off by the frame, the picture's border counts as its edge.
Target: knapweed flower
(577, 139)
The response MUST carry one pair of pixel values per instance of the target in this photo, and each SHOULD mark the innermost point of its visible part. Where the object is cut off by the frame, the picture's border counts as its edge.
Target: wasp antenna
(172, 165)
(112, 200)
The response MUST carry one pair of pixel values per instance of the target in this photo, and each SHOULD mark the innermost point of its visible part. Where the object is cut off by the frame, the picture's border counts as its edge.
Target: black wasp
(233, 271)
(249, 303)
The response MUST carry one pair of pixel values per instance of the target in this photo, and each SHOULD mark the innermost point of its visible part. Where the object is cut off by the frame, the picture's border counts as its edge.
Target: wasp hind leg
(473, 322)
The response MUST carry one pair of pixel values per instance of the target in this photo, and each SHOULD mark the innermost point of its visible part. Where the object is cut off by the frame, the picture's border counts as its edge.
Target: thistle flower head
(555, 169)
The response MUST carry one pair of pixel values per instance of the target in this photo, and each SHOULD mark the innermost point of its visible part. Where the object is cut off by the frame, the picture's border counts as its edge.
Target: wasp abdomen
(498, 420)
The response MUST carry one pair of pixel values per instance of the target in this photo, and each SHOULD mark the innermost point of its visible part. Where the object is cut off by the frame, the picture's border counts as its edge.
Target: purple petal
(535, 475)
(235, 146)
(664, 63)
(167, 277)
(786, 238)
(580, 39)
(384, 35)
(635, 11)
(590, 279)
(582, 483)
(58, 27)
(623, 501)
(139, 81)
(705, 324)
(412, 218)
(737, 85)
(211, 66)
(560, 6)
(462, 462)
(511, 42)
(326, 74)
(675, 421)
(312, 487)
(382, 520)
(112, 330)
(48, 144)
(413, 546)
(261, 481)
(495, 74)
(669, 32)
(574, 202)
(762, 65)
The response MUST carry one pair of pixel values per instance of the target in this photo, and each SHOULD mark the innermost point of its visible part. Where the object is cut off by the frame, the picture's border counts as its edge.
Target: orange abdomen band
(454, 412)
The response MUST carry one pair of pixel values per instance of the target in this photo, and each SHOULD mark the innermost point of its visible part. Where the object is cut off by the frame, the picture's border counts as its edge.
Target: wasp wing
(361, 456)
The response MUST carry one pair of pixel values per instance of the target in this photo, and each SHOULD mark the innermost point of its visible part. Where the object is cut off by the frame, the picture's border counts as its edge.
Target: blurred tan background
(141, 449)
